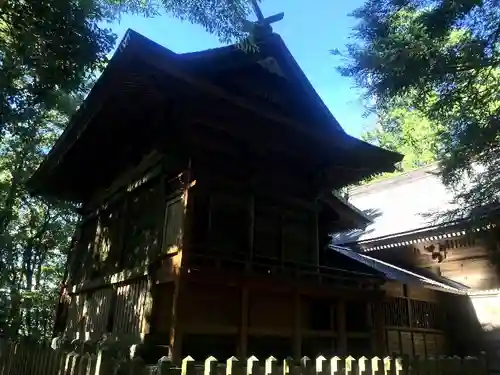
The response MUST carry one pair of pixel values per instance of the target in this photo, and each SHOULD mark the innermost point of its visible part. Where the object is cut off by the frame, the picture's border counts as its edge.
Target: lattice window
(142, 237)
(97, 306)
(426, 315)
(82, 253)
(109, 234)
(396, 312)
(129, 308)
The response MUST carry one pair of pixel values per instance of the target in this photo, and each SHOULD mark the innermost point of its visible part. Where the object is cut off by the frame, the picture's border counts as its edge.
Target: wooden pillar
(175, 339)
(297, 328)
(148, 310)
(341, 328)
(180, 272)
(410, 320)
(243, 344)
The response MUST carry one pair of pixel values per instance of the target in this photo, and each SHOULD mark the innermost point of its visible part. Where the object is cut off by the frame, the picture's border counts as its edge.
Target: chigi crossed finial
(263, 24)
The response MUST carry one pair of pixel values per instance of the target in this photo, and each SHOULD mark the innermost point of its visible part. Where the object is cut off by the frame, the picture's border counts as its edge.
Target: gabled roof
(399, 205)
(140, 68)
(403, 275)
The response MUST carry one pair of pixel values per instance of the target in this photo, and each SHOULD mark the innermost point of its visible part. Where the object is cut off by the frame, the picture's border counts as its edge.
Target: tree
(50, 51)
(406, 130)
(35, 234)
(52, 46)
(442, 59)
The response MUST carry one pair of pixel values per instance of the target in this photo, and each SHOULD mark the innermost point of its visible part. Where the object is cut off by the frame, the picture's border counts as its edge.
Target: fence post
(336, 365)
(289, 366)
(390, 366)
(252, 366)
(164, 365)
(271, 366)
(484, 362)
(233, 366)
(321, 366)
(137, 367)
(306, 366)
(187, 366)
(377, 366)
(104, 363)
(432, 365)
(470, 366)
(351, 365)
(364, 367)
(85, 363)
(210, 366)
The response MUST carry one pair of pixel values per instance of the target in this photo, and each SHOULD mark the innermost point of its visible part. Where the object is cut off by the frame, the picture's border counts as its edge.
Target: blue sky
(310, 32)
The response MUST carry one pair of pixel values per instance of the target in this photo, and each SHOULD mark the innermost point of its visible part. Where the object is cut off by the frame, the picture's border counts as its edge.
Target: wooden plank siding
(97, 307)
(119, 310)
(130, 308)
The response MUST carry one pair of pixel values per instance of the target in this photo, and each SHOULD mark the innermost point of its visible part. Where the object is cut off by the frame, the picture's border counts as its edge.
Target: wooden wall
(275, 318)
(415, 321)
(118, 309)
(466, 259)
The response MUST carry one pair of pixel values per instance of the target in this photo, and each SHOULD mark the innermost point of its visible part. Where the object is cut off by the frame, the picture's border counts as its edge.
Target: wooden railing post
(35, 359)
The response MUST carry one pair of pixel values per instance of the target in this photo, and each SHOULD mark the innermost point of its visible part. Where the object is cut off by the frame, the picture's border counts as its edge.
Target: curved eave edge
(356, 215)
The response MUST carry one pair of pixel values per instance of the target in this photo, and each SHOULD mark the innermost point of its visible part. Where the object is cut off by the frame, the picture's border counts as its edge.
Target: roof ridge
(394, 179)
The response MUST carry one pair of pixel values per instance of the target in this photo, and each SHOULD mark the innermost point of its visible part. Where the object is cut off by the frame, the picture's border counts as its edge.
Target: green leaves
(223, 18)
(50, 51)
(433, 67)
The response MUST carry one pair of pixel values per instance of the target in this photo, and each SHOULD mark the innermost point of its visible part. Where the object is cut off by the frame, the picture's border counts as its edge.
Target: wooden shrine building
(204, 182)
(409, 228)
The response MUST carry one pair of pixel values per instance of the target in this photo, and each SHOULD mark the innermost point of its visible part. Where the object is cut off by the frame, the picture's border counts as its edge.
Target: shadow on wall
(464, 329)
(486, 306)
(473, 324)
(354, 235)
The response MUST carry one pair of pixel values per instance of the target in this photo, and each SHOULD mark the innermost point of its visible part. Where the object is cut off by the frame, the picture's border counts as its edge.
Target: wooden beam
(176, 333)
(147, 319)
(176, 329)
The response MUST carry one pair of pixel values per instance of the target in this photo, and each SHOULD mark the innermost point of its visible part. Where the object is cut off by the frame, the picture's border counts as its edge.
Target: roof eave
(81, 118)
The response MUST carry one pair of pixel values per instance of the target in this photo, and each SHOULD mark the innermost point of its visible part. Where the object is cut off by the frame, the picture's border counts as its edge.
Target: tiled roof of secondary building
(403, 275)
(402, 204)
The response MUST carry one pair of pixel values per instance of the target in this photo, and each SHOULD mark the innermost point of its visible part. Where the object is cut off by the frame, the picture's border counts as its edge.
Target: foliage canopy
(51, 51)
(439, 60)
